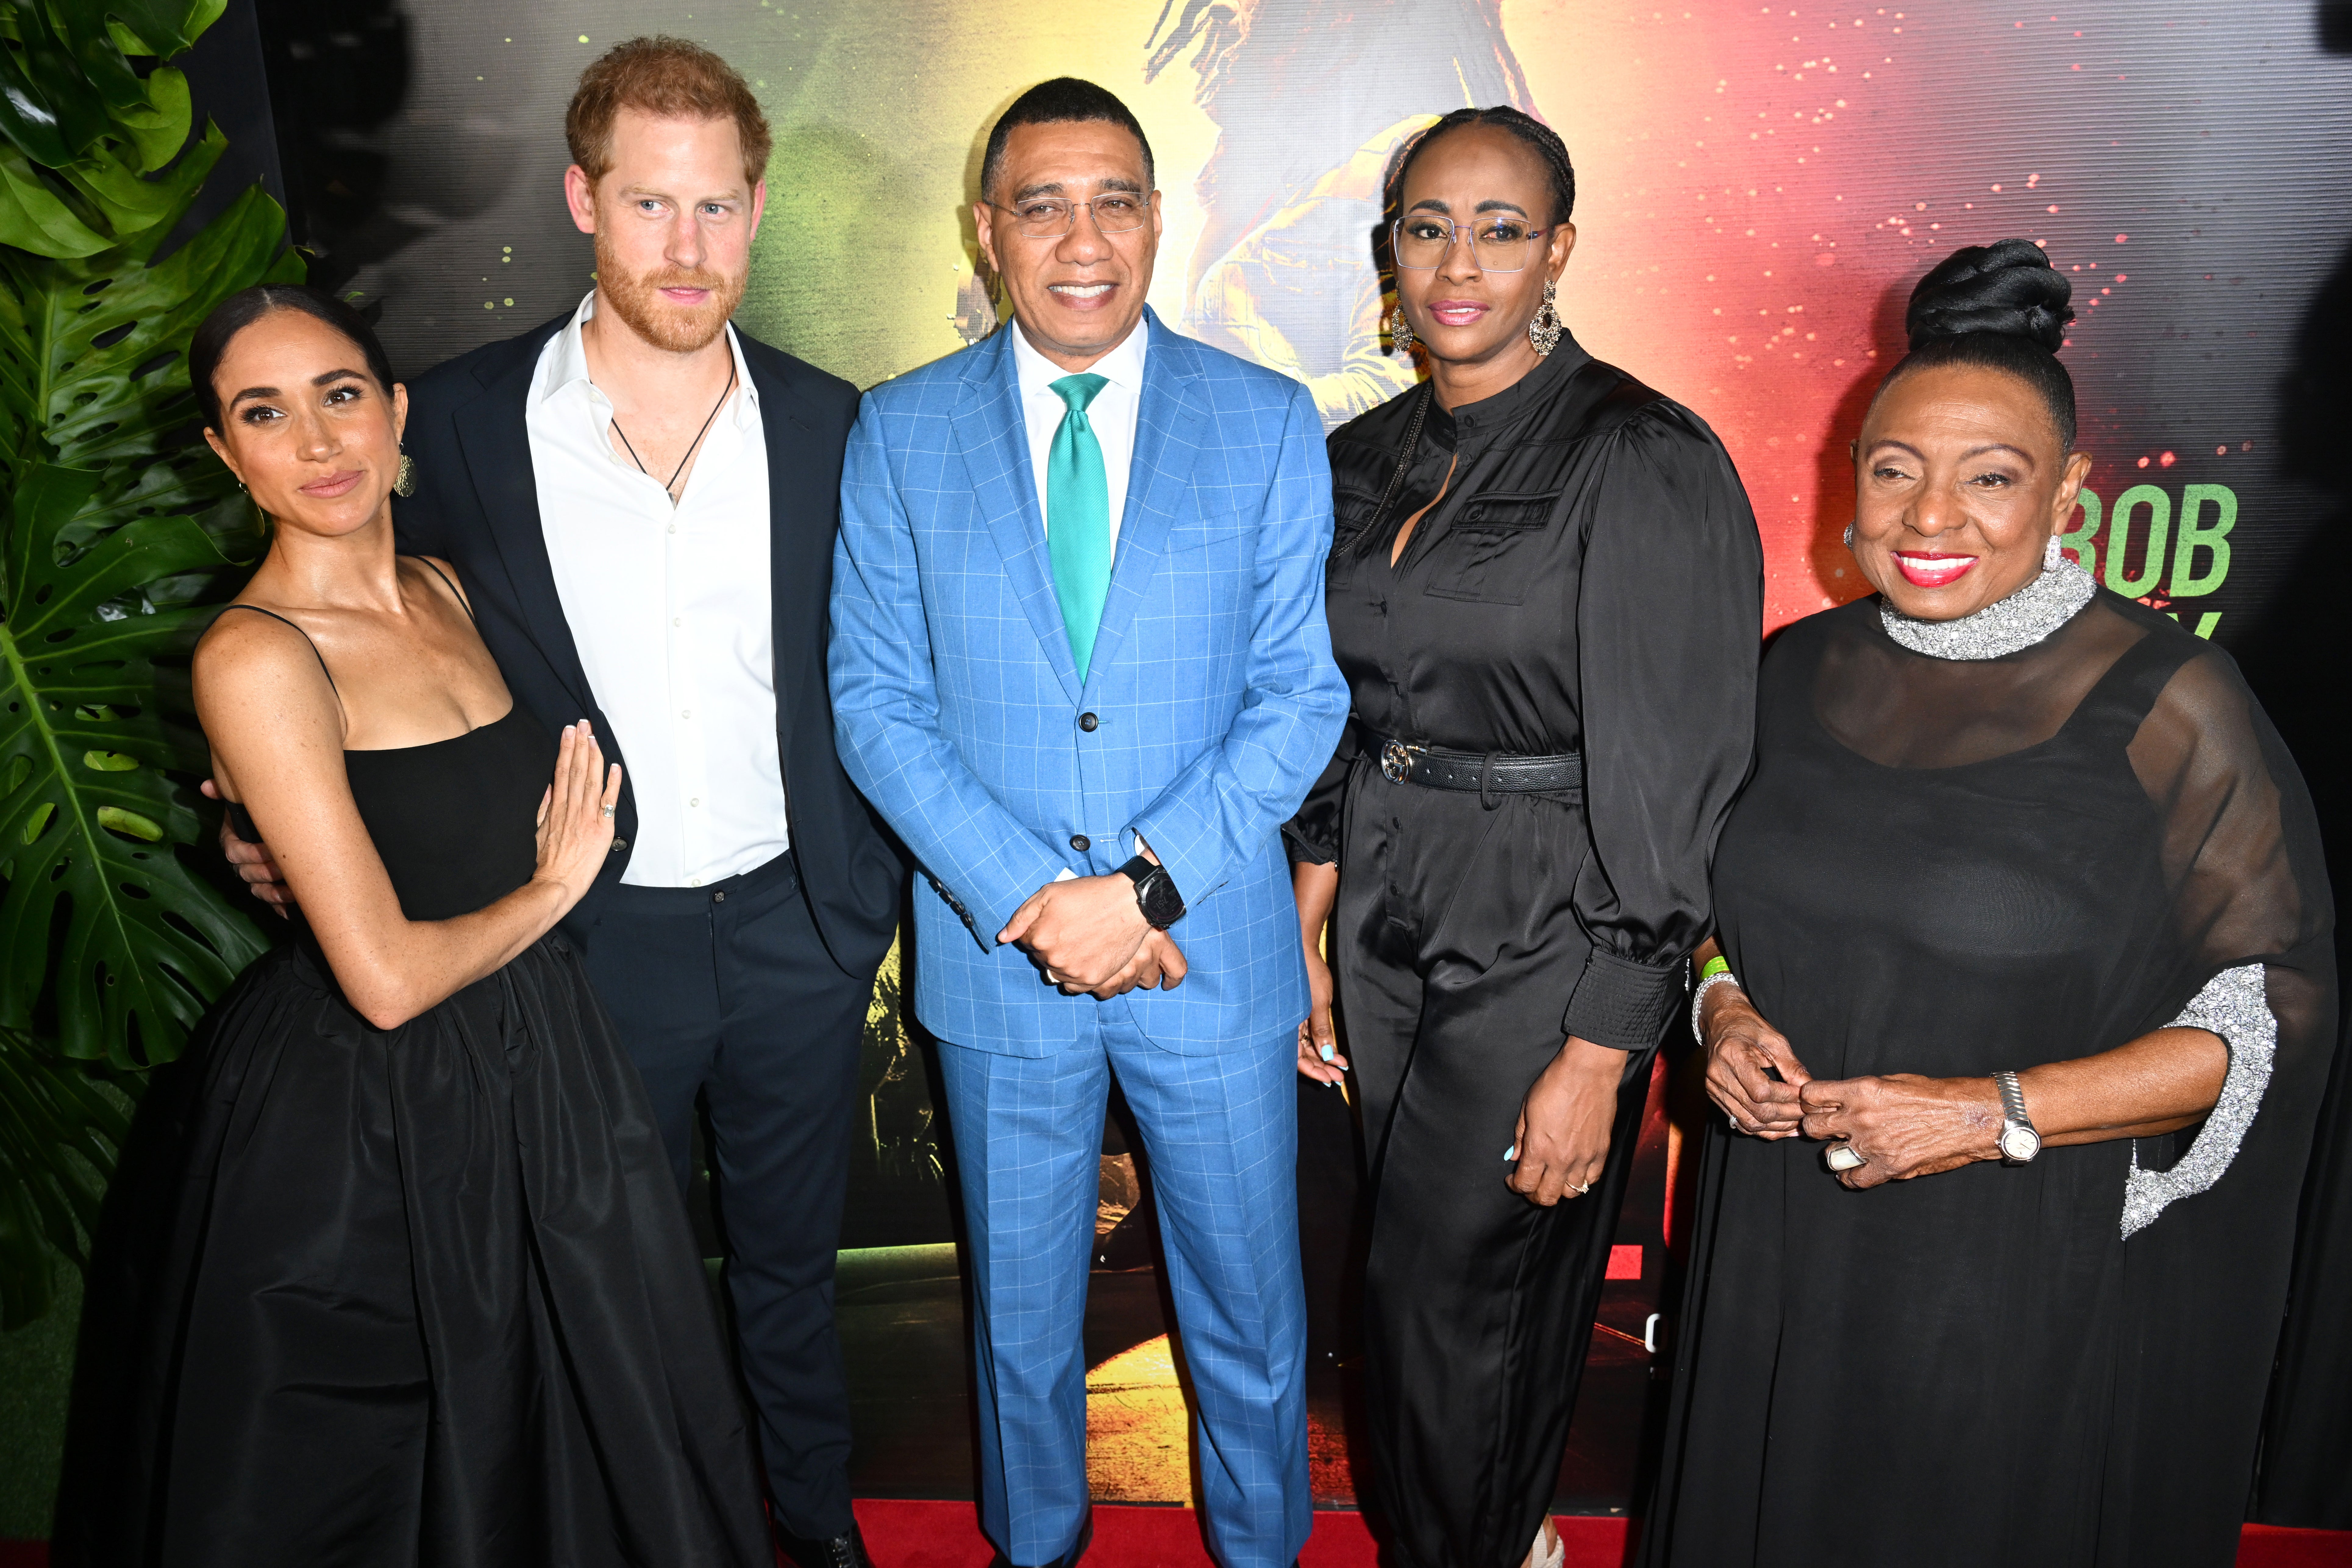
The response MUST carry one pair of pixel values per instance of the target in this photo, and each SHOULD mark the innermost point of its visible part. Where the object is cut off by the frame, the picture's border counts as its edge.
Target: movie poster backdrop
(1758, 187)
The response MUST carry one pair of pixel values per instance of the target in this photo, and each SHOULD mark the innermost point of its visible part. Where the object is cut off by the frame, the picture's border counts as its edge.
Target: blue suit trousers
(1221, 1138)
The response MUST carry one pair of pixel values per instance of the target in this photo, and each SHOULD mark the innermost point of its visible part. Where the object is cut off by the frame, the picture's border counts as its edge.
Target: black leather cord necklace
(698, 435)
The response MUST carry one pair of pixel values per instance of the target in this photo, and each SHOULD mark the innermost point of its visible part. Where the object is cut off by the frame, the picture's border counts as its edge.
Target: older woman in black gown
(1545, 589)
(2025, 917)
(426, 1292)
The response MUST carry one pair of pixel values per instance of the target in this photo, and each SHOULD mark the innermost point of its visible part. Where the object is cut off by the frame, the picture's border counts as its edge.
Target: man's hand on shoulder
(1084, 933)
(253, 863)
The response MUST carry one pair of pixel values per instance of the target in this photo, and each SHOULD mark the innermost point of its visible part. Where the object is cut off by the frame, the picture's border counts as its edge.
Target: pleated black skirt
(427, 1297)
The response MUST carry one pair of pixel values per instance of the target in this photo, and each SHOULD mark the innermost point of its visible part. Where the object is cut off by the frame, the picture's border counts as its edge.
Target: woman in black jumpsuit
(1546, 591)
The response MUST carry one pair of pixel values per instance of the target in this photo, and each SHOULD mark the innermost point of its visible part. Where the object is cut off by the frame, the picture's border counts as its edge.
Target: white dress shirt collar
(1112, 414)
(1122, 367)
(564, 363)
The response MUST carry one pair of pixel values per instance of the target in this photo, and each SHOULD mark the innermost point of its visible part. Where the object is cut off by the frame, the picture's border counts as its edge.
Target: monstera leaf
(60, 1126)
(112, 518)
(107, 942)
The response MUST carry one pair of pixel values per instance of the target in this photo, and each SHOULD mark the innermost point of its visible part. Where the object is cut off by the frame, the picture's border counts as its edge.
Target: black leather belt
(1480, 772)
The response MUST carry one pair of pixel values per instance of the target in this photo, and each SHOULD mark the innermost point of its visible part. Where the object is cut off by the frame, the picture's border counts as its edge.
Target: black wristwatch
(1155, 892)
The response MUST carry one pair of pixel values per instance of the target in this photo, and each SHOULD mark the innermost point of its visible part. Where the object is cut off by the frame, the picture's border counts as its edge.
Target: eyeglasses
(1500, 244)
(1050, 218)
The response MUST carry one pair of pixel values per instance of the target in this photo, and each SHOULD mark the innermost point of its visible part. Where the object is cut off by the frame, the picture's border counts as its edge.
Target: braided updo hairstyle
(1518, 123)
(2002, 306)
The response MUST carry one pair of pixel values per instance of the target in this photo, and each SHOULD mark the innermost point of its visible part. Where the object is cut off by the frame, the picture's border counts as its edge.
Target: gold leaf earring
(403, 483)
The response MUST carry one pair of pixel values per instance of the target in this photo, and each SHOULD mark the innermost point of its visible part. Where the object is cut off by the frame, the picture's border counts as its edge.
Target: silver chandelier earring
(2053, 555)
(403, 482)
(1401, 331)
(1849, 536)
(1543, 331)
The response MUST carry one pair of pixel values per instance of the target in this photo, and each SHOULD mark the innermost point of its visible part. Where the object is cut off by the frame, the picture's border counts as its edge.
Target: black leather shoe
(841, 1551)
(1067, 1560)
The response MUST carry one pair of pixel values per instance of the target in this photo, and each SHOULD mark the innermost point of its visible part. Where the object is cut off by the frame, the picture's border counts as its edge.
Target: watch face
(1161, 906)
(2019, 1143)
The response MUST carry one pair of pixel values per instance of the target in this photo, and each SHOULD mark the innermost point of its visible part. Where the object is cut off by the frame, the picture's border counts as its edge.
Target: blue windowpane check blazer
(1211, 704)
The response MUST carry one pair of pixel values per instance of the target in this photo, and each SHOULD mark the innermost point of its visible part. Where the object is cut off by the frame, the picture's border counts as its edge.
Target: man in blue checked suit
(1079, 663)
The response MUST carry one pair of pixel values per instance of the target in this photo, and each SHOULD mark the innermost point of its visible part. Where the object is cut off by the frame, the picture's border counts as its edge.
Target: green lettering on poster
(2207, 621)
(2196, 534)
(2079, 541)
(2159, 534)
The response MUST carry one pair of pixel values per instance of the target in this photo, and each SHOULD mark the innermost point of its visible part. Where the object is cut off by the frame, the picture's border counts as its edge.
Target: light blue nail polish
(1327, 1053)
(1510, 1153)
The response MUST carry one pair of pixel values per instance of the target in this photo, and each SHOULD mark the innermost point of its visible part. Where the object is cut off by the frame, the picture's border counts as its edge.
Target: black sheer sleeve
(2252, 913)
(1670, 615)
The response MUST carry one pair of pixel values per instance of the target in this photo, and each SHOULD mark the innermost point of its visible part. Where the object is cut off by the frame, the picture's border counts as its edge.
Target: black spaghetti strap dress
(429, 1295)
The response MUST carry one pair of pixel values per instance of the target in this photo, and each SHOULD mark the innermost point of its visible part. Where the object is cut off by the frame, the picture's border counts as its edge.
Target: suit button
(1087, 721)
(1080, 842)
(620, 844)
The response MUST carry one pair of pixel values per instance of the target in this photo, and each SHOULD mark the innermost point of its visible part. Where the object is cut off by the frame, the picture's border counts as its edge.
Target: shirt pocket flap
(1490, 548)
(1506, 512)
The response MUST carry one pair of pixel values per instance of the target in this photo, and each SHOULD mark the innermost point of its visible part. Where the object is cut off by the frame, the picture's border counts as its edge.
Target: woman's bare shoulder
(250, 648)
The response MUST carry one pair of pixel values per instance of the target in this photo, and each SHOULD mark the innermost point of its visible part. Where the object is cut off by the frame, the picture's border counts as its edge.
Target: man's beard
(637, 301)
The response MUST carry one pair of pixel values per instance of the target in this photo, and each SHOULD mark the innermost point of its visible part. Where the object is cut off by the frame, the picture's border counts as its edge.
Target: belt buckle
(1397, 760)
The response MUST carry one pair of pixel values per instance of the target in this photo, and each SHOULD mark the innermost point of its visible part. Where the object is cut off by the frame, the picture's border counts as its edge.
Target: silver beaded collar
(2001, 627)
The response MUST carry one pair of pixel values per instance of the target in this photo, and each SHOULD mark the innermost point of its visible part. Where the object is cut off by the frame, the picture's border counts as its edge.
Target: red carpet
(903, 1534)
(947, 1535)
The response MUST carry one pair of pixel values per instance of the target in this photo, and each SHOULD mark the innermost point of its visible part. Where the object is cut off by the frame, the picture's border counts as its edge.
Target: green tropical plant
(113, 521)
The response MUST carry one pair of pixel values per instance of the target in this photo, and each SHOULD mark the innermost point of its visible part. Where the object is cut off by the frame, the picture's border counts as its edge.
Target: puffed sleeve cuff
(1304, 846)
(1622, 1005)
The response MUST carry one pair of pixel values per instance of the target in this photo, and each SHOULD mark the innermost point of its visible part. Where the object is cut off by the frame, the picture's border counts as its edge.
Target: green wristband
(1714, 966)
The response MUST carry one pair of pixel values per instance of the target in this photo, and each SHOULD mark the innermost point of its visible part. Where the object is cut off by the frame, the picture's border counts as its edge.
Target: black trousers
(1457, 951)
(726, 993)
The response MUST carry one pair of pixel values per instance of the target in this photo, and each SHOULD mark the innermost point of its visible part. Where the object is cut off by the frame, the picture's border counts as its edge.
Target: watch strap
(2012, 1099)
(2014, 1121)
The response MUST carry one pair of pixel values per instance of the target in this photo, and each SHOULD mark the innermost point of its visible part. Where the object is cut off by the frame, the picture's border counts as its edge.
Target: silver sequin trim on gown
(2234, 1004)
(2002, 628)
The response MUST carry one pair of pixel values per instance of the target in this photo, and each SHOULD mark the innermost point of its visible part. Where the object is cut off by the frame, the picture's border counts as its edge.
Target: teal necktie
(1077, 518)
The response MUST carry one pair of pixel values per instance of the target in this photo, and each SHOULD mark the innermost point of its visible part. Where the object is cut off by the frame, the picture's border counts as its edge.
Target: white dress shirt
(1112, 413)
(669, 607)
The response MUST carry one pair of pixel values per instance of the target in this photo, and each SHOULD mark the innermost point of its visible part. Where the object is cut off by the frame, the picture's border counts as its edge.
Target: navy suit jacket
(476, 506)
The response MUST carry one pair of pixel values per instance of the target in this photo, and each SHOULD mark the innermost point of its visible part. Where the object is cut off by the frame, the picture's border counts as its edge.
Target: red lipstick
(1932, 569)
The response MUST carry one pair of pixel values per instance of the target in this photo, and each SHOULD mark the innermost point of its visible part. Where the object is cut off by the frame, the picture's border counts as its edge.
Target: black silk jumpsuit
(1590, 582)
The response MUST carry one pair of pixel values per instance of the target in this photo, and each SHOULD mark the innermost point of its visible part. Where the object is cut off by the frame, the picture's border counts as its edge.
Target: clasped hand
(1901, 1124)
(1089, 936)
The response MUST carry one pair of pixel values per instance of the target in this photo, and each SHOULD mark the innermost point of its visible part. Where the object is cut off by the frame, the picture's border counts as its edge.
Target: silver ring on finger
(606, 810)
(1581, 1187)
(1844, 1157)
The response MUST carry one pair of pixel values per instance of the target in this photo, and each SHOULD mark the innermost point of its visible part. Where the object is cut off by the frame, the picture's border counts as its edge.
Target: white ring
(605, 809)
(1844, 1157)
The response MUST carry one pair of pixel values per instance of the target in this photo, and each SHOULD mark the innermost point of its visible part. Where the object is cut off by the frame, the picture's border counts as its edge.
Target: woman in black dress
(1546, 591)
(428, 1296)
(2025, 913)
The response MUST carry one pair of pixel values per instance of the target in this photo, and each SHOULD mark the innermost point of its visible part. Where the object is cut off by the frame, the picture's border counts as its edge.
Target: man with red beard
(641, 503)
